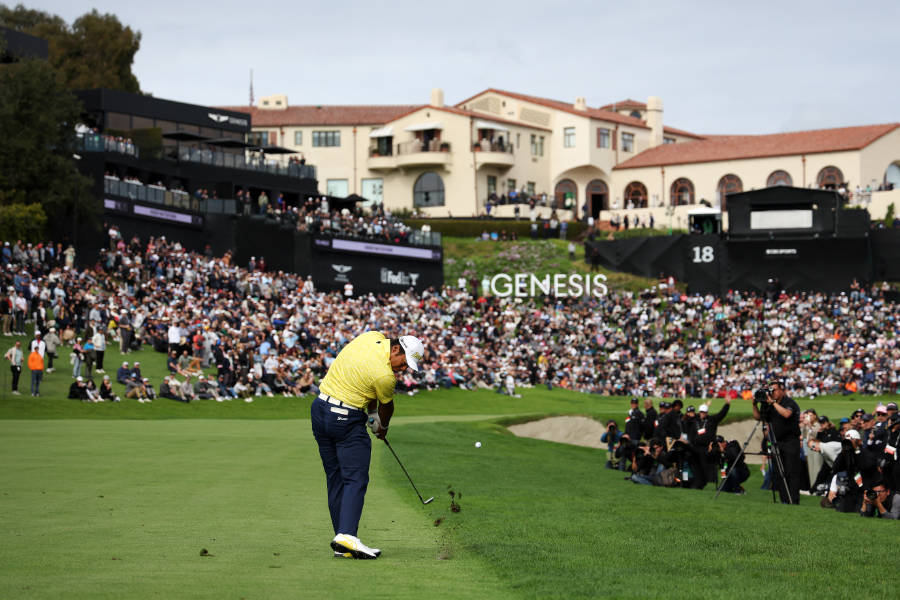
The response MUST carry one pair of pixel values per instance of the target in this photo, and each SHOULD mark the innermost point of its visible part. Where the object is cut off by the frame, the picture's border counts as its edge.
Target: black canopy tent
(275, 150)
(228, 143)
(184, 136)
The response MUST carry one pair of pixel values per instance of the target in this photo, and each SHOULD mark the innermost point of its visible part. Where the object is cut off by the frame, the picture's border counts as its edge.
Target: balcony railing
(416, 146)
(486, 145)
(153, 194)
(95, 142)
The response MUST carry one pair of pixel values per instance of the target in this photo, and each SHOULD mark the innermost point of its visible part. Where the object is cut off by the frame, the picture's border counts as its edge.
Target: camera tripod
(772, 452)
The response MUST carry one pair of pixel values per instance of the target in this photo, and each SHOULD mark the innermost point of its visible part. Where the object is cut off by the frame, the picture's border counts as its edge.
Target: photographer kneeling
(611, 438)
(732, 468)
(855, 468)
(783, 415)
(880, 501)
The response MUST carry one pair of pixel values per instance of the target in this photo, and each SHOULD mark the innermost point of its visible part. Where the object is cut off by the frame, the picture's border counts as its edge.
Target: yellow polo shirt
(362, 372)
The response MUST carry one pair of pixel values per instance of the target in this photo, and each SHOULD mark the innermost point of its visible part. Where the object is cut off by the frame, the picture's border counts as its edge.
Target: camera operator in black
(702, 433)
(650, 417)
(671, 422)
(659, 424)
(731, 463)
(634, 422)
(624, 453)
(783, 414)
(891, 462)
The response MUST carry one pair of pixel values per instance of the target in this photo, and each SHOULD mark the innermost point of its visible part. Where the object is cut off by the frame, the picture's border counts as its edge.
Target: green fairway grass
(119, 500)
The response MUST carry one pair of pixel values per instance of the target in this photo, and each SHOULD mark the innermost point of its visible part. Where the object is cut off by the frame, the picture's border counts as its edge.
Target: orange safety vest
(35, 361)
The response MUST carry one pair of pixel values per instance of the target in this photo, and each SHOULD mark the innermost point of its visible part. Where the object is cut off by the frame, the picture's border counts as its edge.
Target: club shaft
(404, 471)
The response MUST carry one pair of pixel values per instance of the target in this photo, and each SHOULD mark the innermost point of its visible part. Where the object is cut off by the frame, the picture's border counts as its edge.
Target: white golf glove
(374, 422)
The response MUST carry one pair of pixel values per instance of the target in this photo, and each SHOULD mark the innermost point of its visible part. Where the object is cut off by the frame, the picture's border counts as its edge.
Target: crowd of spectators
(316, 216)
(852, 464)
(660, 343)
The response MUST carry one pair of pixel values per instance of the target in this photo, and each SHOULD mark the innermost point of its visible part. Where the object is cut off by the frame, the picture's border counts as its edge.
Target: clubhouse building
(620, 158)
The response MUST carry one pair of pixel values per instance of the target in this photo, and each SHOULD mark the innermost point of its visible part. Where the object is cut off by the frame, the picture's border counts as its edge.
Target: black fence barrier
(715, 264)
(373, 267)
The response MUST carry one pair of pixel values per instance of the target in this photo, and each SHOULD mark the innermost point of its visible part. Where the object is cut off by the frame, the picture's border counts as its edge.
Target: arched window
(682, 192)
(892, 176)
(597, 194)
(830, 178)
(635, 195)
(729, 184)
(428, 190)
(566, 194)
(635, 113)
(779, 178)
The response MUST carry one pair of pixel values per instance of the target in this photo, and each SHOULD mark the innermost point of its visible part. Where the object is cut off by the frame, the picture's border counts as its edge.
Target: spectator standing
(15, 357)
(36, 366)
(99, 341)
(53, 343)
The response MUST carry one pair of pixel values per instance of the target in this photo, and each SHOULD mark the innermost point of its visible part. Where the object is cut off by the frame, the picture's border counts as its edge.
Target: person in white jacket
(99, 341)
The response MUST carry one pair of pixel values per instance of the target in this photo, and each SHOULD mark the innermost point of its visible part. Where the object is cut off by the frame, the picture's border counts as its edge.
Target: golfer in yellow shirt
(362, 377)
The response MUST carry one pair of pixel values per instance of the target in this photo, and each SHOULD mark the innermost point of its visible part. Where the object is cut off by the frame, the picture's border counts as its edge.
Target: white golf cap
(704, 408)
(79, 378)
(414, 350)
(851, 434)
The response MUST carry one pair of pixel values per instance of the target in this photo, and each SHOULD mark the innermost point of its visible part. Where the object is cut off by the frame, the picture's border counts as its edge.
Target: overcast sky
(761, 67)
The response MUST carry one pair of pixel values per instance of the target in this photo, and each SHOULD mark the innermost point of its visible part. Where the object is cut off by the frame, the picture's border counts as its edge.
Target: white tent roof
(424, 126)
(486, 125)
(386, 131)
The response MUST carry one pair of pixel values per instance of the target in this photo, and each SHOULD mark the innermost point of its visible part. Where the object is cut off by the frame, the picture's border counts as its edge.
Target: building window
(635, 195)
(596, 197)
(534, 145)
(602, 138)
(326, 138)
(682, 192)
(529, 187)
(492, 184)
(635, 113)
(258, 138)
(298, 138)
(510, 184)
(668, 140)
(337, 188)
(428, 190)
(729, 184)
(540, 145)
(779, 177)
(372, 191)
(569, 137)
(830, 178)
(627, 142)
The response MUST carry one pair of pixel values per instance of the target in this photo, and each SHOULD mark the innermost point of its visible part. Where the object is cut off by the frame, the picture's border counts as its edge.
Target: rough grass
(465, 257)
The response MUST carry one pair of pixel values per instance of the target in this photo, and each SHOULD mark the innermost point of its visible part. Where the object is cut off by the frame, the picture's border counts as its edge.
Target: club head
(429, 500)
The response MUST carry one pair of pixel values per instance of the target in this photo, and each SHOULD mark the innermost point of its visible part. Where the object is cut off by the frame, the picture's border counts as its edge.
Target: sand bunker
(584, 431)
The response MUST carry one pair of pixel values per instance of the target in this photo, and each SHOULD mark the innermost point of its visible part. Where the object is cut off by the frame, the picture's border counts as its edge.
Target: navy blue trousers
(346, 450)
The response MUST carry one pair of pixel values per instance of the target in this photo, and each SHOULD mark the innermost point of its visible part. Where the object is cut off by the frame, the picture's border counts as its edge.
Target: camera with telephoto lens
(761, 395)
(871, 494)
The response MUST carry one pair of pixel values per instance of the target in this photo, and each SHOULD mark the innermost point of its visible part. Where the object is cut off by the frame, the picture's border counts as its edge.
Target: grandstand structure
(160, 166)
(611, 160)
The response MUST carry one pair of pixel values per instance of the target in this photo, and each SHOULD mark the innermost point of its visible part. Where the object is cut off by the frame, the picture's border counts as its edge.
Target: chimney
(437, 97)
(655, 120)
(580, 104)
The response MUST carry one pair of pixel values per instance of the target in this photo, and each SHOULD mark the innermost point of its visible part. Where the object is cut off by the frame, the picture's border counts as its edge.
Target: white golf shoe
(349, 544)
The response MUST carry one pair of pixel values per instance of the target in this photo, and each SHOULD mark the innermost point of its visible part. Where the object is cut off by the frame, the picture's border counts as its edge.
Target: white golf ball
(478, 444)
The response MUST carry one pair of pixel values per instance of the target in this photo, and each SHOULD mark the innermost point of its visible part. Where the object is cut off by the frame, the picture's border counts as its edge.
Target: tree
(96, 51)
(37, 122)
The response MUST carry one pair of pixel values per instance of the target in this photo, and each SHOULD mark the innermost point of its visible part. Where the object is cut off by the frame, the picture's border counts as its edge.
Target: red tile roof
(682, 132)
(629, 103)
(324, 115)
(469, 113)
(594, 113)
(735, 147)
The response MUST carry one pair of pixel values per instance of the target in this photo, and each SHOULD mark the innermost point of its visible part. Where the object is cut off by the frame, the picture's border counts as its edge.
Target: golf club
(407, 474)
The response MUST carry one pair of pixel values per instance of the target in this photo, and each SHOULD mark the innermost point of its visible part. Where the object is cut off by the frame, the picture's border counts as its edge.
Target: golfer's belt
(336, 402)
